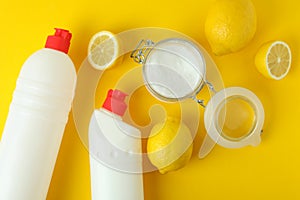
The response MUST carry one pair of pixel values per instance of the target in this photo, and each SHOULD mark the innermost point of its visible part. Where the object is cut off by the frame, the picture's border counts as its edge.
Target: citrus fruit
(274, 59)
(230, 25)
(103, 50)
(170, 145)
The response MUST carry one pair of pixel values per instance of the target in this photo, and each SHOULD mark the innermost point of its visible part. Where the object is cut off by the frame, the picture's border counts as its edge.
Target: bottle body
(115, 158)
(35, 125)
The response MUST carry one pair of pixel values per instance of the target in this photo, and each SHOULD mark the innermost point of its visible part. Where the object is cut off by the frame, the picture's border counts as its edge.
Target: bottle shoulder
(46, 53)
(104, 116)
(50, 67)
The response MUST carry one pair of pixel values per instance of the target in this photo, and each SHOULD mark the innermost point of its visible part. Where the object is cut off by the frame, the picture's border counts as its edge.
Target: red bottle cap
(115, 102)
(59, 41)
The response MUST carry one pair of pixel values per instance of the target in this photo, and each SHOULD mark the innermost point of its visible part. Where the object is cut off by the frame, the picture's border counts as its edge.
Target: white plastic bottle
(115, 153)
(36, 121)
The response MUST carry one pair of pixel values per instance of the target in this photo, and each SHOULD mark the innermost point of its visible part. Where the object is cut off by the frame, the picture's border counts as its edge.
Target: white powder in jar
(174, 69)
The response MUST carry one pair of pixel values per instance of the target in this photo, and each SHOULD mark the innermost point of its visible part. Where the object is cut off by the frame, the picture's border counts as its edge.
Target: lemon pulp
(273, 59)
(103, 50)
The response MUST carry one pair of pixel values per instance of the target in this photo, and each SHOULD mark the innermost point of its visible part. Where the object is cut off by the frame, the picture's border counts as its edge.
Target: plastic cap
(115, 102)
(60, 40)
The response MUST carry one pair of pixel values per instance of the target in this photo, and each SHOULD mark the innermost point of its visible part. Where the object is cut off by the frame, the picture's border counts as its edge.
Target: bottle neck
(111, 114)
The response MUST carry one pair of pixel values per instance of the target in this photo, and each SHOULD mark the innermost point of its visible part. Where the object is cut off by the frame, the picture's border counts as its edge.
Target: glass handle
(201, 101)
(139, 54)
(211, 87)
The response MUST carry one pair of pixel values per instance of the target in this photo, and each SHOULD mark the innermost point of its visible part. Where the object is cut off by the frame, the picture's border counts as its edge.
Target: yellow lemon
(274, 59)
(170, 145)
(103, 50)
(230, 25)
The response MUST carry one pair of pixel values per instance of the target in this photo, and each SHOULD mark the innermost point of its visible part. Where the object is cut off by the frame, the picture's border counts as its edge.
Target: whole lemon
(170, 145)
(230, 25)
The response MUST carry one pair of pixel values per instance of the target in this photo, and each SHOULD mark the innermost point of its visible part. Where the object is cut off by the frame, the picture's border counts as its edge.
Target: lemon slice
(274, 59)
(103, 50)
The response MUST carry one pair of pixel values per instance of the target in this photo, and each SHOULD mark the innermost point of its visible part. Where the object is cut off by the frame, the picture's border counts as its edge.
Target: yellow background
(269, 171)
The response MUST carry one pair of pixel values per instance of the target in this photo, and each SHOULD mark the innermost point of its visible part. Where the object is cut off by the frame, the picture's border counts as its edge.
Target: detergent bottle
(36, 120)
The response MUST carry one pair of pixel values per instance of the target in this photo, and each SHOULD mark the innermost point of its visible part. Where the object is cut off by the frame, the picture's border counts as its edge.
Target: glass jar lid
(234, 118)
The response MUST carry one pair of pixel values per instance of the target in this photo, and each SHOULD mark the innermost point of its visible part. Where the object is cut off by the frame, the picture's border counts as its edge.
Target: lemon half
(274, 59)
(103, 50)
